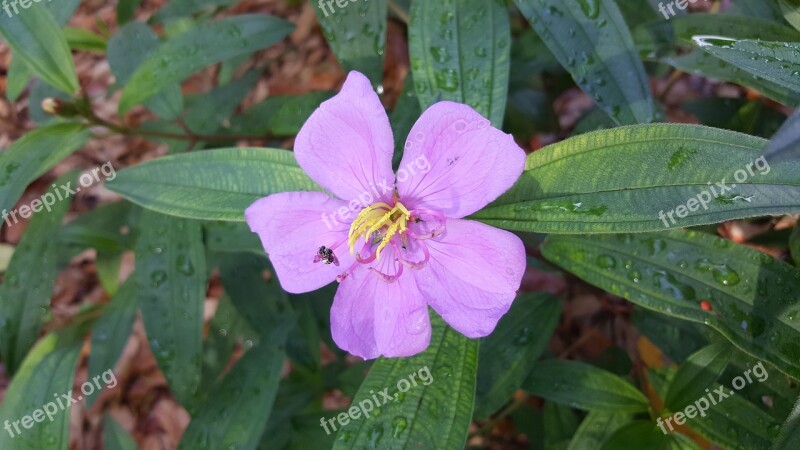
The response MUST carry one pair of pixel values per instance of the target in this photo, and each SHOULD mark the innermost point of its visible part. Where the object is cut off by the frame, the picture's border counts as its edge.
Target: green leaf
(33, 155)
(751, 294)
(47, 371)
(749, 117)
(207, 112)
(183, 8)
(778, 62)
(63, 10)
(584, 386)
(19, 74)
(212, 185)
(405, 115)
(320, 302)
(767, 381)
(303, 346)
(700, 370)
(560, 425)
(228, 68)
(790, 432)
(18, 78)
(752, 427)
(660, 379)
(236, 410)
(107, 265)
(596, 428)
(466, 59)
(785, 144)
(281, 115)
(530, 58)
(743, 27)
(231, 237)
(580, 186)
(593, 120)
(757, 8)
(127, 50)
(306, 433)
(530, 112)
(115, 437)
(648, 435)
(592, 41)
(171, 287)
(84, 40)
(36, 38)
(700, 63)
(529, 421)
(791, 11)
(294, 397)
(207, 44)
(356, 33)
(638, 12)
(672, 35)
(509, 353)
(112, 228)
(645, 434)
(126, 11)
(28, 284)
(111, 332)
(227, 330)
(794, 245)
(262, 303)
(436, 410)
(677, 441)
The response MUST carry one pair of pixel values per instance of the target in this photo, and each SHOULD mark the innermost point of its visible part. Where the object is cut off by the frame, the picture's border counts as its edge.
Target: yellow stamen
(376, 217)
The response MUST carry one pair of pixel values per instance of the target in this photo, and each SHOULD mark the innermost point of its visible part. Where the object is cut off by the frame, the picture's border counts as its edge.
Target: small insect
(326, 255)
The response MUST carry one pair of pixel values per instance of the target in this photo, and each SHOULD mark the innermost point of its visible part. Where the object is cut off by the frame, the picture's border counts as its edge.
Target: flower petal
(372, 318)
(292, 227)
(346, 145)
(455, 162)
(472, 276)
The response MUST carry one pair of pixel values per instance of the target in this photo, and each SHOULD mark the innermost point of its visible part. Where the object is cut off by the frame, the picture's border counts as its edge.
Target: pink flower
(396, 244)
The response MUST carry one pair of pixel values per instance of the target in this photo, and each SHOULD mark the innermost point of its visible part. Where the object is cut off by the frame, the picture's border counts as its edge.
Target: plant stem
(671, 82)
(189, 136)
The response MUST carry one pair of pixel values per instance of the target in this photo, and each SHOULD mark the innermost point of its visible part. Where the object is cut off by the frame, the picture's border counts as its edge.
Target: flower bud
(61, 108)
(50, 105)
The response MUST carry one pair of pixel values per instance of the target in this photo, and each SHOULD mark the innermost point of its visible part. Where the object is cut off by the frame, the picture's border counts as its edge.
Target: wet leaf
(436, 409)
(673, 176)
(749, 296)
(592, 41)
(207, 44)
(29, 280)
(211, 185)
(460, 52)
(171, 286)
